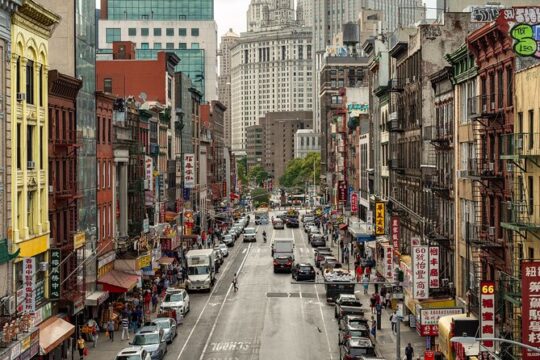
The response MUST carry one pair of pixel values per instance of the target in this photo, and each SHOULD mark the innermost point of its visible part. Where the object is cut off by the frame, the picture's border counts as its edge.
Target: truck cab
(200, 269)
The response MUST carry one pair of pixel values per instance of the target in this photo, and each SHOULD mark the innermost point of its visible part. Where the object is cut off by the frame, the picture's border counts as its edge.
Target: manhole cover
(277, 295)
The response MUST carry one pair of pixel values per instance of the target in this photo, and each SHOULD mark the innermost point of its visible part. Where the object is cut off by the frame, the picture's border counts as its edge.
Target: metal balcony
(395, 164)
(520, 145)
(484, 106)
(484, 236)
(521, 215)
(482, 169)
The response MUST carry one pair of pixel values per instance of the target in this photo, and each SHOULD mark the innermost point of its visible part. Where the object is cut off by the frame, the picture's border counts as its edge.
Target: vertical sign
(388, 263)
(189, 171)
(420, 272)
(354, 202)
(342, 191)
(54, 282)
(379, 218)
(395, 234)
(487, 314)
(148, 172)
(530, 301)
(434, 255)
(29, 266)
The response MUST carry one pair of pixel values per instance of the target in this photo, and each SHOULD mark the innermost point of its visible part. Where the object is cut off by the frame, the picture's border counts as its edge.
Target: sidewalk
(385, 344)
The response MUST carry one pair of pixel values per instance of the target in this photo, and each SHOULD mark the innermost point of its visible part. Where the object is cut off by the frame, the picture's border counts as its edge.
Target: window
(30, 142)
(157, 45)
(169, 32)
(182, 32)
(18, 146)
(144, 32)
(531, 129)
(112, 35)
(107, 85)
(157, 31)
(18, 74)
(145, 46)
(195, 32)
(40, 85)
(300, 52)
(169, 46)
(195, 45)
(30, 82)
(531, 195)
(182, 46)
(41, 147)
(509, 86)
(132, 32)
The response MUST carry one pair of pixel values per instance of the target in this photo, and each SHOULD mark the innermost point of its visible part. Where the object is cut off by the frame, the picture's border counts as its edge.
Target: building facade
(184, 27)
(255, 147)
(306, 141)
(228, 41)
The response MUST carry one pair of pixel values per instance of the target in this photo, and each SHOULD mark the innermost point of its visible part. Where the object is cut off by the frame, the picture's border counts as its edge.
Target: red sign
(487, 314)
(530, 301)
(395, 234)
(429, 319)
(429, 355)
(354, 202)
(342, 191)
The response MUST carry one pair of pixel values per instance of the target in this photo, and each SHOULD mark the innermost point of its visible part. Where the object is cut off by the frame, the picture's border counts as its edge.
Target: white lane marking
(244, 251)
(203, 309)
(221, 307)
(324, 323)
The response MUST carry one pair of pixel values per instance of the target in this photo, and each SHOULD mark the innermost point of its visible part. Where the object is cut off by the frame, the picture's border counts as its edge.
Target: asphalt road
(268, 318)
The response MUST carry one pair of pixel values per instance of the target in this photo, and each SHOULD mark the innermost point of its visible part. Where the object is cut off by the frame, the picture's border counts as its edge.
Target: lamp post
(466, 340)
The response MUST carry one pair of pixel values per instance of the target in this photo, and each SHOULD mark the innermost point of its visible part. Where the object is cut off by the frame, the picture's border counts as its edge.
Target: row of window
(115, 34)
(169, 46)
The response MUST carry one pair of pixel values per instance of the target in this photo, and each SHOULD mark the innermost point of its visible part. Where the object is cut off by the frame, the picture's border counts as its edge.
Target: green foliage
(241, 170)
(302, 171)
(259, 197)
(257, 175)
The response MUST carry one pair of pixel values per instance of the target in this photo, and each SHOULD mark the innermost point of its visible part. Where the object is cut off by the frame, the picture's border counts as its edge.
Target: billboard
(428, 322)
(395, 233)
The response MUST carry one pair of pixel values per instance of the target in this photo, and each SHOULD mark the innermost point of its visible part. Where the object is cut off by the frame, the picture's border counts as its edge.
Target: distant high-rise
(228, 41)
(304, 12)
(185, 27)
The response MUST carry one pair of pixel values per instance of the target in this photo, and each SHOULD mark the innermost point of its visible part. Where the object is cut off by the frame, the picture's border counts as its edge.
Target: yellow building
(522, 215)
(31, 27)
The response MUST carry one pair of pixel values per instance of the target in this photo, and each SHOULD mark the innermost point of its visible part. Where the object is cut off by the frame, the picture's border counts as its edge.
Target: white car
(176, 299)
(133, 353)
(224, 249)
(228, 240)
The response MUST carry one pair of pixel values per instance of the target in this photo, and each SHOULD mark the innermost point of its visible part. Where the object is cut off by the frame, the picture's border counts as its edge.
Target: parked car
(320, 253)
(224, 249)
(303, 271)
(314, 231)
(353, 320)
(307, 226)
(228, 240)
(318, 240)
(292, 222)
(347, 304)
(353, 331)
(167, 324)
(250, 235)
(151, 339)
(133, 353)
(354, 348)
(278, 224)
(283, 263)
(330, 262)
(176, 299)
(308, 219)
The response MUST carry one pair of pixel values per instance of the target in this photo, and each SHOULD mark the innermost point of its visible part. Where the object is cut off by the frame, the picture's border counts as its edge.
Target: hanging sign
(189, 171)
(420, 272)
(530, 301)
(487, 315)
(379, 218)
(54, 274)
(434, 275)
(29, 270)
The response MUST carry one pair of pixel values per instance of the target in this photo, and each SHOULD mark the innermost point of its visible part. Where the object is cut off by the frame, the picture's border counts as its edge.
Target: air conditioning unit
(21, 97)
(51, 188)
(509, 167)
(30, 165)
(463, 173)
(491, 166)
(491, 231)
(43, 266)
(9, 305)
(519, 142)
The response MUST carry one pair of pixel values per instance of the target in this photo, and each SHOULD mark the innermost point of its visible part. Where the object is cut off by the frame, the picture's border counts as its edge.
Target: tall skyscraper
(185, 27)
(270, 67)
(228, 41)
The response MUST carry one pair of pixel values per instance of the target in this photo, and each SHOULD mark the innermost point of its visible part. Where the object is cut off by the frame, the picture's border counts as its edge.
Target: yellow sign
(34, 246)
(143, 261)
(379, 218)
(105, 269)
(79, 239)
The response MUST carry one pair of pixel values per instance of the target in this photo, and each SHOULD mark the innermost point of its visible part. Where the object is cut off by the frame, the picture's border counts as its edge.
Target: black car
(283, 263)
(292, 222)
(303, 272)
(318, 240)
(355, 348)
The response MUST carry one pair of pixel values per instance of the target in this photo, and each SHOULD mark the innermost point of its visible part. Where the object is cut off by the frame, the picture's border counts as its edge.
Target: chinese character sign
(189, 171)
(148, 170)
(420, 272)
(388, 263)
(434, 256)
(342, 191)
(395, 233)
(54, 275)
(487, 314)
(379, 218)
(530, 301)
(354, 202)
(29, 269)
(429, 320)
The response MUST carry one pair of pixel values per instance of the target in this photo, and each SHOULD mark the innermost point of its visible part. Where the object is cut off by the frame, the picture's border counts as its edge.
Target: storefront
(118, 282)
(55, 338)
(25, 348)
(457, 325)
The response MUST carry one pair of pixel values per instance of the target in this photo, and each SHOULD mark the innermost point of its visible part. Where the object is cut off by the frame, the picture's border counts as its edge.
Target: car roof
(356, 326)
(305, 264)
(249, 228)
(360, 342)
(149, 329)
(330, 257)
(132, 350)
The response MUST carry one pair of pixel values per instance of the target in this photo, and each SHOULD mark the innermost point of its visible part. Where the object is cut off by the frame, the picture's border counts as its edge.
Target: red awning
(118, 281)
(343, 226)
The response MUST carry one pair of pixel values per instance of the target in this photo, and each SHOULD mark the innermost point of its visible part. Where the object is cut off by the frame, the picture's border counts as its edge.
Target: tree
(257, 174)
(300, 172)
(241, 170)
(259, 197)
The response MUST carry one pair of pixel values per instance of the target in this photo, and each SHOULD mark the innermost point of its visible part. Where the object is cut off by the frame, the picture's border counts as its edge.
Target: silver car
(151, 339)
(168, 325)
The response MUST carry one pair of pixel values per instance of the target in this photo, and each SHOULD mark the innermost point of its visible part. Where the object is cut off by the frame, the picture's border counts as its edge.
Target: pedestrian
(235, 282)
(394, 319)
(95, 333)
(365, 283)
(377, 298)
(372, 303)
(110, 329)
(125, 327)
(155, 301)
(81, 345)
(358, 273)
(409, 351)
(147, 301)
(388, 300)
(373, 327)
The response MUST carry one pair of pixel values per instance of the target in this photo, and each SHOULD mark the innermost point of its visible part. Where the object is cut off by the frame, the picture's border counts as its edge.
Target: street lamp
(466, 340)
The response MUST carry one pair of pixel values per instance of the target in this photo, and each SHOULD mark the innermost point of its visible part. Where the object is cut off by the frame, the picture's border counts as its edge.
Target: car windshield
(358, 333)
(227, 237)
(198, 270)
(147, 339)
(173, 297)
(305, 268)
(162, 323)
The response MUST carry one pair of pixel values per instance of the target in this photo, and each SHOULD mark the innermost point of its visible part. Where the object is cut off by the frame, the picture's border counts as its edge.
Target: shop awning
(118, 281)
(52, 333)
(165, 260)
(96, 298)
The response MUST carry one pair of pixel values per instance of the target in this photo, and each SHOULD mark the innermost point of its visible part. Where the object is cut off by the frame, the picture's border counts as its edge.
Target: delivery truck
(200, 269)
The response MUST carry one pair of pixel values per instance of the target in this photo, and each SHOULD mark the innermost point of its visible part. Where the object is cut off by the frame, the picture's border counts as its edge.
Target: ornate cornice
(36, 18)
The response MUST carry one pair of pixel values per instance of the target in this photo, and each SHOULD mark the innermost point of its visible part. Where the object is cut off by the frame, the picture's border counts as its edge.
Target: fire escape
(135, 173)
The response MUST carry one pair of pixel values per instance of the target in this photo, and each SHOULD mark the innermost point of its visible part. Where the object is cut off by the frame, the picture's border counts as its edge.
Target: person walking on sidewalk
(81, 345)
(110, 329)
(409, 352)
(359, 273)
(155, 301)
(373, 327)
(394, 319)
(235, 282)
(365, 283)
(372, 303)
(95, 332)
(125, 327)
